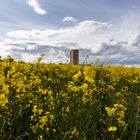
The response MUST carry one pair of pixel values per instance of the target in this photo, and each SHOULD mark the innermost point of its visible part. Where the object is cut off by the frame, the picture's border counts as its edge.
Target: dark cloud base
(119, 53)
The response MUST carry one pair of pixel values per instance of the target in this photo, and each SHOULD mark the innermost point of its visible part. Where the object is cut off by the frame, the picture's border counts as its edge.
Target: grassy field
(61, 102)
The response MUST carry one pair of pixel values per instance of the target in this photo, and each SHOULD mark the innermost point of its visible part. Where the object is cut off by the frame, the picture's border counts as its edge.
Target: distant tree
(40, 58)
(8, 59)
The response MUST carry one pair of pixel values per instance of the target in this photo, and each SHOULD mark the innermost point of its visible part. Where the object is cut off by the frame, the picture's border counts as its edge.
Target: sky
(108, 30)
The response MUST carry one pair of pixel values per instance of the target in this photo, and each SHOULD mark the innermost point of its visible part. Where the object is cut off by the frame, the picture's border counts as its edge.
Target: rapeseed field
(63, 101)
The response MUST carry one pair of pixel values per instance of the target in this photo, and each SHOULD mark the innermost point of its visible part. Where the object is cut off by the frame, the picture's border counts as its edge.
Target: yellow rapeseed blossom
(43, 119)
(40, 137)
(6, 89)
(3, 100)
(77, 76)
(84, 87)
(121, 121)
(117, 105)
(60, 98)
(54, 130)
(73, 88)
(47, 129)
(110, 111)
(89, 79)
(74, 131)
(34, 109)
(85, 99)
(112, 129)
(37, 110)
(67, 109)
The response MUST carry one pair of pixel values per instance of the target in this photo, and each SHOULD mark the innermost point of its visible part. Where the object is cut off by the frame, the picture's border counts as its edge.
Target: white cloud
(138, 26)
(120, 43)
(69, 19)
(30, 52)
(69, 38)
(36, 6)
(119, 52)
(75, 32)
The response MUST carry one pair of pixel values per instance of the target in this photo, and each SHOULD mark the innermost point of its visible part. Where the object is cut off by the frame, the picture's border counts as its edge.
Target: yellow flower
(84, 87)
(3, 100)
(68, 109)
(54, 130)
(63, 109)
(40, 137)
(112, 128)
(74, 131)
(32, 117)
(118, 105)
(40, 111)
(121, 114)
(121, 121)
(43, 119)
(6, 89)
(89, 79)
(35, 109)
(84, 99)
(76, 76)
(33, 128)
(47, 129)
(110, 111)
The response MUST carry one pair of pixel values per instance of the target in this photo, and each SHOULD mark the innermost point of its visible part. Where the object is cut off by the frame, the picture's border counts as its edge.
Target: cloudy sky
(104, 29)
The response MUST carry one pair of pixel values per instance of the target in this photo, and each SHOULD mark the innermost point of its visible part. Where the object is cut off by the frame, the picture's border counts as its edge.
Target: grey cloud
(108, 49)
(136, 40)
(52, 53)
(118, 52)
(54, 35)
(123, 52)
(70, 45)
(61, 54)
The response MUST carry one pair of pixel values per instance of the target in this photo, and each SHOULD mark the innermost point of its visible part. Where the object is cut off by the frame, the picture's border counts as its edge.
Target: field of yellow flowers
(62, 102)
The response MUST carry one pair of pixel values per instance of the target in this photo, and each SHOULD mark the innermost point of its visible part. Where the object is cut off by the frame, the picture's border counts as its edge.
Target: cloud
(138, 26)
(119, 43)
(69, 19)
(36, 6)
(121, 52)
(109, 49)
(118, 52)
(29, 52)
(80, 29)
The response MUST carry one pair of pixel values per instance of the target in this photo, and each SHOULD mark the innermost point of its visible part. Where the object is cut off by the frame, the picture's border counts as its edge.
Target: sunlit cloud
(83, 28)
(69, 19)
(36, 6)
